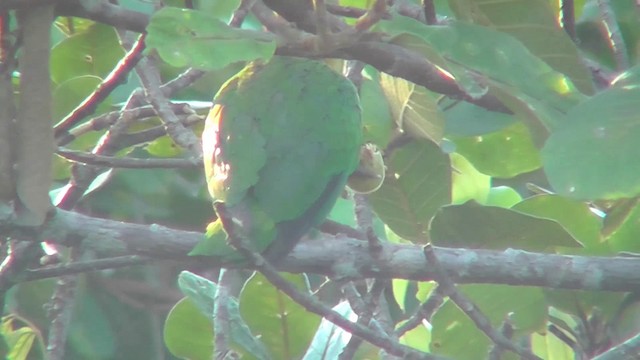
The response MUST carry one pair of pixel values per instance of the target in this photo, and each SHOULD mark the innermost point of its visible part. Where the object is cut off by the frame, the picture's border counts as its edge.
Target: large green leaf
(201, 292)
(499, 57)
(488, 227)
(468, 182)
(414, 108)
(284, 326)
(573, 215)
(94, 51)
(524, 306)
(505, 153)
(418, 182)
(193, 38)
(188, 333)
(594, 153)
(377, 123)
(536, 26)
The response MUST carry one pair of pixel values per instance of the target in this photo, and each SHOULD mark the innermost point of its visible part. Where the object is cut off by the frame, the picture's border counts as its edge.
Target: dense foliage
(509, 132)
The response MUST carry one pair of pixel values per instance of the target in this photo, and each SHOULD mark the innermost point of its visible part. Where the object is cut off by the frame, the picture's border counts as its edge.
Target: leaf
(94, 51)
(284, 326)
(185, 37)
(21, 337)
(468, 182)
(188, 333)
(536, 26)
(576, 217)
(593, 154)
(525, 306)
(418, 182)
(377, 123)
(497, 56)
(467, 119)
(503, 196)
(330, 340)
(504, 154)
(414, 108)
(201, 292)
(488, 227)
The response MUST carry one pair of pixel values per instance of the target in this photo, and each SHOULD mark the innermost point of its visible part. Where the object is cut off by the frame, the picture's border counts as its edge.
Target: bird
(279, 144)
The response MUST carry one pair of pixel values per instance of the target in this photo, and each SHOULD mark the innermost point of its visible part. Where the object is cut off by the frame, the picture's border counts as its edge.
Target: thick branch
(110, 238)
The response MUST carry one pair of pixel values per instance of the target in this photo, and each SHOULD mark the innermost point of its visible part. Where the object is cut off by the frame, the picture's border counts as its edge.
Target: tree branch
(108, 238)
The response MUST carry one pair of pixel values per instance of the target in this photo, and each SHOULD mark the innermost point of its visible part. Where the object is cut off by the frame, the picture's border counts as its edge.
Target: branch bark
(108, 238)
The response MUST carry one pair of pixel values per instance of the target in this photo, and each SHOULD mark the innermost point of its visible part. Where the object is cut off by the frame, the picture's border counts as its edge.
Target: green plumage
(279, 145)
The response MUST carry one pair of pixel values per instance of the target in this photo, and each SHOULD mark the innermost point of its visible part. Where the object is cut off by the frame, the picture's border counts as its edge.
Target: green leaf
(468, 182)
(414, 109)
(188, 333)
(536, 26)
(488, 227)
(417, 183)
(201, 292)
(503, 196)
(22, 338)
(593, 154)
(497, 56)
(377, 123)
(95, 51)
(285, 327)
(505, 154)
(330, 340)
(163, 147)
(625, 237)
(466, 119)
(550, 347)
(185, 37)
(524, 306)
(576, 217)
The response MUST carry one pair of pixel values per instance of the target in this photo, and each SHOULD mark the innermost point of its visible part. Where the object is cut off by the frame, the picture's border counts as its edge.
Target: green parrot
(279, 144)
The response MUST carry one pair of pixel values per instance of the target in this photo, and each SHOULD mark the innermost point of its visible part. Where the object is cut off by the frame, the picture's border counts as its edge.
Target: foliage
(500, 131)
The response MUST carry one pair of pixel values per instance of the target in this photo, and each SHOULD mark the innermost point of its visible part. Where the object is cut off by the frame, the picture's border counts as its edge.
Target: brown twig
(616, 41)
(506, 329)
(241, 13)
(568, 17)
(424, 312)
(78, 267)
(128, 163)
(150, 78)
(429, 10)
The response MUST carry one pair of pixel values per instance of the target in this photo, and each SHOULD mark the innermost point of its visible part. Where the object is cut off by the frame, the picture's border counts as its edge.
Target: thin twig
(628, 350)
(103, 121)
(364, 219)
(615, 35)
(150, 79)
(59, 310)
(568, 16)
(240, 13)
(375, 13)
(221, 317)
(470, 309)
(424, 312)
(78, 267)
(506, 329)
(365, 308)
(429, 10)
(126, 162)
